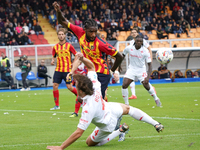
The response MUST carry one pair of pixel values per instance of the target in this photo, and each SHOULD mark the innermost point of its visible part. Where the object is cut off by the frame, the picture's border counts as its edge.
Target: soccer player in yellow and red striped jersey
(63, 52)
(92, 47)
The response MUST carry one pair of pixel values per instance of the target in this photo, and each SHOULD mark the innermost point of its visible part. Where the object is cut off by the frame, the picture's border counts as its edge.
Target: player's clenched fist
(56, 6)
(79, 55)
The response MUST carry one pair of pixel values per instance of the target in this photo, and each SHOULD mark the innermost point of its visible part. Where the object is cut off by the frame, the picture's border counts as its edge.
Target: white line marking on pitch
(35, 111)
(140, 137)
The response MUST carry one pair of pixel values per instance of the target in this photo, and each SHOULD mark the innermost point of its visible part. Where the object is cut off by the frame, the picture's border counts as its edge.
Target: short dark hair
(139, 36)
(84, 84)
(90, 22)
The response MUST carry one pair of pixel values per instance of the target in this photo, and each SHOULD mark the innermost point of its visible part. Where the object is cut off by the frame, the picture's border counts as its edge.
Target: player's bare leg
(71, 88)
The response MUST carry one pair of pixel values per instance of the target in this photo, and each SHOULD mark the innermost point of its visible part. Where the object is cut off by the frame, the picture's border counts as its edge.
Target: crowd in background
(165, 16)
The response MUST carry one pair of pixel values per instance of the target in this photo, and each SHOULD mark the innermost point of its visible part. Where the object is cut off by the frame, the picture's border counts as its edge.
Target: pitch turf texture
(26, 123)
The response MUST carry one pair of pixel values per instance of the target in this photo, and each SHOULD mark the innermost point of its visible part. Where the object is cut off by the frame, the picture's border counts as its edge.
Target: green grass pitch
(26, 123)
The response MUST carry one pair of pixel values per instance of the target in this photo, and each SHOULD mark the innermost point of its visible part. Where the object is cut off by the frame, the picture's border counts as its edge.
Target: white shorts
(141, 74)
(116, 111)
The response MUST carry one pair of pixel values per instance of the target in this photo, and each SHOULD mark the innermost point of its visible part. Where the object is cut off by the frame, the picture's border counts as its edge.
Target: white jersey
(145, 43)
(137, 57)
(95, 109)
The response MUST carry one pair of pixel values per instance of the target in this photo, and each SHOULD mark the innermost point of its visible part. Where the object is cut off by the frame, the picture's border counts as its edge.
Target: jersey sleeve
(145, 43)
(86, 118)
(126, 50)
(132, 42)
(72, 49)
(148, 57)
(107, 48)
(92, 75)
(54, 52)
(78, 31)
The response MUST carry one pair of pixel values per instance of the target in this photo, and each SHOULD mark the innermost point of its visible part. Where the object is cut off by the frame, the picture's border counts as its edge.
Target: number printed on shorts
(144, 74)
(96, 132)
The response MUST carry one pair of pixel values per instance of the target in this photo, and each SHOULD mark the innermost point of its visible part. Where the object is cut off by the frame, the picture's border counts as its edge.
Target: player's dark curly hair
(84, 84)
(90, 22)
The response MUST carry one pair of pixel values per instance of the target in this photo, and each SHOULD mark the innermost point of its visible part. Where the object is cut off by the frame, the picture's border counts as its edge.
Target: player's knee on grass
(89, 141)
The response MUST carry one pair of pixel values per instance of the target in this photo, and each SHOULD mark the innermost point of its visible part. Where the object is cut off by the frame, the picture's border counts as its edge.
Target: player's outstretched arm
(148, 73)
(87, 63)
(80, 58)
(74, 136)
(149, 69)
(117, 62)
(61, 19)
(150, 51)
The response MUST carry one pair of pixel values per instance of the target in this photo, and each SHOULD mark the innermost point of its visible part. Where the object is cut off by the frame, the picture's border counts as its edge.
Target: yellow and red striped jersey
(93, 50)
(63, 53)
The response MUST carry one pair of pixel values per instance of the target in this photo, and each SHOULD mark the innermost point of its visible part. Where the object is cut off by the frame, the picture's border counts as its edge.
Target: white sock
(152, 92)
(132, 86)
(110, 137)
(125, 96)
(141, 116)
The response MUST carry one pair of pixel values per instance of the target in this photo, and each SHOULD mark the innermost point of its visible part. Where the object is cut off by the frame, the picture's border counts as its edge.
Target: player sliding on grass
(99, 112)
(138, 54)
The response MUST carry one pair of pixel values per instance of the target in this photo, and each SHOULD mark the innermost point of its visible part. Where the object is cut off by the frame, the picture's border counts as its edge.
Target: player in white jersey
(138, 54)
(145, 44)
(99, 112)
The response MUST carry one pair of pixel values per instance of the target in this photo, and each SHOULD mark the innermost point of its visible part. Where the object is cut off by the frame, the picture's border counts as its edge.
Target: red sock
(77, 105)
(74, 91)
(56, 97)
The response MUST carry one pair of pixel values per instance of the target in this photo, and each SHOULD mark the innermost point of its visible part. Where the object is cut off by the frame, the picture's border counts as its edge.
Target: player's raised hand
(79, 55)
(54, 147)
(56, 6)
(52, 62)
(69, 77)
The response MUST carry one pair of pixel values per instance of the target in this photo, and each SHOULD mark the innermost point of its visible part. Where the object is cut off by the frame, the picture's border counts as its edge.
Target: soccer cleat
(133, 97)
(23, 89)
(55, 108)
(28, 89)
(124, 127)
(159, 127)
(73, 115)
(121, 137)
(158, 103)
